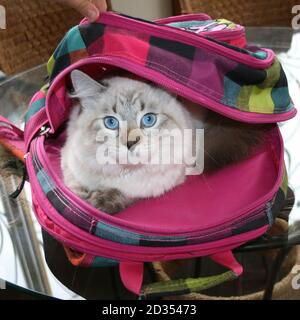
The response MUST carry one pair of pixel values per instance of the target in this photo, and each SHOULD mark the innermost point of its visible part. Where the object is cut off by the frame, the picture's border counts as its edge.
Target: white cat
(128, 118)
(121, 118)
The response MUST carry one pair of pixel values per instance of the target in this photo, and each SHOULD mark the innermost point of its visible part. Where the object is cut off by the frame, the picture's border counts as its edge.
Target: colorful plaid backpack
(203, 60)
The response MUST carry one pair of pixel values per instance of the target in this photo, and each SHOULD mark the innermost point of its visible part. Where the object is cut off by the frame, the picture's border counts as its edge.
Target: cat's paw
(80, 191)
(110, 201)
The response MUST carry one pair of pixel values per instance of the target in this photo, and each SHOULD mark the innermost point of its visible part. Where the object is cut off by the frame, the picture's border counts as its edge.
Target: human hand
(88, 8)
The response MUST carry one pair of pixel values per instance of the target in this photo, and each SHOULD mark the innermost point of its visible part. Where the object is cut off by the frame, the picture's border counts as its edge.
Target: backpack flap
(245, 84)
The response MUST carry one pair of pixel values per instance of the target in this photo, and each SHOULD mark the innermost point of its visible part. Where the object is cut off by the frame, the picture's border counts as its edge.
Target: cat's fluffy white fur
(127, 100)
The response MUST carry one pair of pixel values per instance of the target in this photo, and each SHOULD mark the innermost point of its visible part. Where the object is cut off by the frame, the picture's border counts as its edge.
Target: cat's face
(127, 122)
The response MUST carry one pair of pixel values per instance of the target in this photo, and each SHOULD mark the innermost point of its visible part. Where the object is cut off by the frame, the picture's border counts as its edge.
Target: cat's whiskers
(211, 157)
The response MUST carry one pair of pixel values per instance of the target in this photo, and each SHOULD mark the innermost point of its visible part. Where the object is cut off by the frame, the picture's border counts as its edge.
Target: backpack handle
(132, 277)
(6, 124)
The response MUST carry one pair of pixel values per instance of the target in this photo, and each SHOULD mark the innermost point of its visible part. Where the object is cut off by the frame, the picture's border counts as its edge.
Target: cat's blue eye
(111, 123)
(149, 120)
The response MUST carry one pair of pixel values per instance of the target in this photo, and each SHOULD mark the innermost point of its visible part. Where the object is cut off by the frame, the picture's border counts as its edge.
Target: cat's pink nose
(132, 143)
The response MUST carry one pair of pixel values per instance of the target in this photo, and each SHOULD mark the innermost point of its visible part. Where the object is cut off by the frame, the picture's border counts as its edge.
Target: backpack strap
(5, 123)
(12, 138)
(131, 274)
(132, 277)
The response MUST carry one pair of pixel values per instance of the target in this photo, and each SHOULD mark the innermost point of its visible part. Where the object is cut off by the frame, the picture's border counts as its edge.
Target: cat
(227, 141)
(119, 116)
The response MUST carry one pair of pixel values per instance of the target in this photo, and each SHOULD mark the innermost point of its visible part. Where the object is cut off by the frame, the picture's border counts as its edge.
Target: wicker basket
(34, 28)
(245, 12)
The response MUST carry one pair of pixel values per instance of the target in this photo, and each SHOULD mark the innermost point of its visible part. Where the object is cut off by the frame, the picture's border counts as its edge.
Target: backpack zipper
(221, 35)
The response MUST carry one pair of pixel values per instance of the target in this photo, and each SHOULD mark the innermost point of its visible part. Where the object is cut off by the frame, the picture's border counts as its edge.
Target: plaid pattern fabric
(37, 103)
(103, 262)
(211, 74)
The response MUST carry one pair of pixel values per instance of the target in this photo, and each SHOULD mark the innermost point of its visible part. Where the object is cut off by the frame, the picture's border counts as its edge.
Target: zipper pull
(44, 131)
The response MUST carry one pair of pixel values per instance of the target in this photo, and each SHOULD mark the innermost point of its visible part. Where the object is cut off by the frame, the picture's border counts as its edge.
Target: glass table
(34, 265)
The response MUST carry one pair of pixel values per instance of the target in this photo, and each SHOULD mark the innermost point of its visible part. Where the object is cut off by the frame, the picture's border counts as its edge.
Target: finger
(85, 7)
(101, 5)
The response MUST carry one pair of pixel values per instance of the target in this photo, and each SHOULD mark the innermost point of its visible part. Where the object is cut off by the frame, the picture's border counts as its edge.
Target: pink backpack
(204, 60)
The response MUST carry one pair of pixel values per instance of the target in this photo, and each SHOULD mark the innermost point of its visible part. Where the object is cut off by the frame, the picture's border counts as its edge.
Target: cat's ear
(84, 86)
